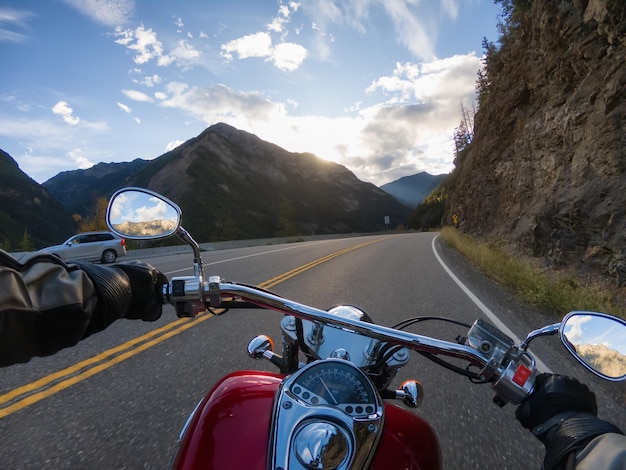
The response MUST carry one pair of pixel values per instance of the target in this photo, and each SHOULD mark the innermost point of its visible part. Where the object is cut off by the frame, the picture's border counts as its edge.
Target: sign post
(387, 222)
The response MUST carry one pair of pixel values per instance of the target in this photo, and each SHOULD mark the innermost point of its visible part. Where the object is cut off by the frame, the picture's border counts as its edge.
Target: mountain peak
(232, 184)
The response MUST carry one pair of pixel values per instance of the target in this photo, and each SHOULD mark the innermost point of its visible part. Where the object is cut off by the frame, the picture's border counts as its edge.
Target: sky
(375, 85)
(587, 329)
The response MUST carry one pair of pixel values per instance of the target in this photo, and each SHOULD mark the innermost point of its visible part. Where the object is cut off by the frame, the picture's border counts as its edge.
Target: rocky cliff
(546, 170)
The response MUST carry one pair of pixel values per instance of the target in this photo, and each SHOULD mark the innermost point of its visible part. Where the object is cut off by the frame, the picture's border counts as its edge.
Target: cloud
(218, 102)
(252, 45)
(146, 46)
(380, 143)
(451, 80)
(284, 12)
(144, 43)
(414, 23)
(128, 110)
(81, 161)
(285, 56)
(575, 331)
(124, 108)
(106, 12)
(10, 18)
(149, 81)
(184, 54)
(65, 111)
(288, 56)
(137, 95)
(409, 130)
(450, 8)
(31, 130)
(410, 29)
(46, 143)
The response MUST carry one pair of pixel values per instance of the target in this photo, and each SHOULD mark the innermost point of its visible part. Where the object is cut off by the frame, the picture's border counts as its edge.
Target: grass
(551, 292)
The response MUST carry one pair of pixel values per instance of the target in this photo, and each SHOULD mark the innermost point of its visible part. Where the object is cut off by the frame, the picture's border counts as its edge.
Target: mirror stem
(197, 259)
(545, 331)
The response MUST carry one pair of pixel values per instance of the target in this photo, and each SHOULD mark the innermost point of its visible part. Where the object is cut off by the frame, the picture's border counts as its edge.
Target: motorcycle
(329, 405)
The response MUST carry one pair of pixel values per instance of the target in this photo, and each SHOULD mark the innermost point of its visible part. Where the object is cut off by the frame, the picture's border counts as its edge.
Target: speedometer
(336, 383)
(327, 412)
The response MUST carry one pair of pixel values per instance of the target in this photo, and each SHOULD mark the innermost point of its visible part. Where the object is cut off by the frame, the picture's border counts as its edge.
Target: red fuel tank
(231, 425)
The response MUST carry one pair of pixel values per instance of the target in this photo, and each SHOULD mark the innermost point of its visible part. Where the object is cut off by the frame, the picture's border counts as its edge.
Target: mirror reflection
(144, 215)
(598, 341)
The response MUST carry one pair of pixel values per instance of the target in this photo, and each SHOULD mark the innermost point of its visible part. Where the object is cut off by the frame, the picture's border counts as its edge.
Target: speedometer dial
(328, 414)
(338, 384)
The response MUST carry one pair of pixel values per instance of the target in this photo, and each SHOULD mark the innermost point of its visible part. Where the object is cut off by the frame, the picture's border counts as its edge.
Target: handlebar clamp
(214, 291)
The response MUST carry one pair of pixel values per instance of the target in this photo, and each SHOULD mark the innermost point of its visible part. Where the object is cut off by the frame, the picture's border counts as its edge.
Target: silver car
(90, 246)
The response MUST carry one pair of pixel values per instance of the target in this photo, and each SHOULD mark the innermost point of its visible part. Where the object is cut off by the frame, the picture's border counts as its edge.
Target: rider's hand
(561, 413)
(553, 395)
(146, 283)
(130, 290)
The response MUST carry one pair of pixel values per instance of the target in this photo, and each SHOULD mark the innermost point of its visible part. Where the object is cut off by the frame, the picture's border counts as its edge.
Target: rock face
(546, 171)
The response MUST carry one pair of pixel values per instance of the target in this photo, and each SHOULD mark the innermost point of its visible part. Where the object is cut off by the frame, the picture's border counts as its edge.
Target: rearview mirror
(598, 341)
(141, 214)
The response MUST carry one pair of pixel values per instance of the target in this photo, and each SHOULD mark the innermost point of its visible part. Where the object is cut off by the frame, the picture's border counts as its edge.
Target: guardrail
(226, 245)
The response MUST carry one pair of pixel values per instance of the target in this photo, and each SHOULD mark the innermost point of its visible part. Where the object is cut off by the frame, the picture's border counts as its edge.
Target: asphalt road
(119, 399)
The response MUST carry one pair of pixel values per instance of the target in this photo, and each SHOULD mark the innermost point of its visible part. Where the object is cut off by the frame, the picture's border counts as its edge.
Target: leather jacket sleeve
(45, 305)
(606, 452)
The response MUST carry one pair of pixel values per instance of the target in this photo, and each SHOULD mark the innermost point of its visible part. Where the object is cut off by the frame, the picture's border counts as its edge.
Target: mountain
(78, 190)
(412, 190)
(230, 184)
(26, 207)
(546, 170)
(607, 361)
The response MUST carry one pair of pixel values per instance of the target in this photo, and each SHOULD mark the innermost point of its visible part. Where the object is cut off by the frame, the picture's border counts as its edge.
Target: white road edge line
(541, 366)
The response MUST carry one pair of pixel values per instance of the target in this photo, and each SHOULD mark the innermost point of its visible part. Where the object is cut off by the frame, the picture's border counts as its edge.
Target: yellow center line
(46, 386)
(35, 397)
(294, 272)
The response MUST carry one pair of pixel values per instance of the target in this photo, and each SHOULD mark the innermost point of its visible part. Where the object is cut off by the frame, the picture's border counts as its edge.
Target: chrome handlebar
(511, 370)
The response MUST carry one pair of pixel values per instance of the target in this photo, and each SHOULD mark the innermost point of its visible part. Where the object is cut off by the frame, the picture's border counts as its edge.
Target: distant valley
(412, 190)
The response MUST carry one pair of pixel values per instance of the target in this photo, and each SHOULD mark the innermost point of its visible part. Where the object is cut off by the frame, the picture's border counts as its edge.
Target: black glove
(146, 283)
(131, 290)
(551, 396)
(561, 413)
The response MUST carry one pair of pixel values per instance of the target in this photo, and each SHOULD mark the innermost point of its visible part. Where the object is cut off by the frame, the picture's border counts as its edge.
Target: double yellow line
(294, 272)
(33, 392)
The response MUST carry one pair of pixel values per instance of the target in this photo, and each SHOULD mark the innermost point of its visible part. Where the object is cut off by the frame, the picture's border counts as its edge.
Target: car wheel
(109, 256)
